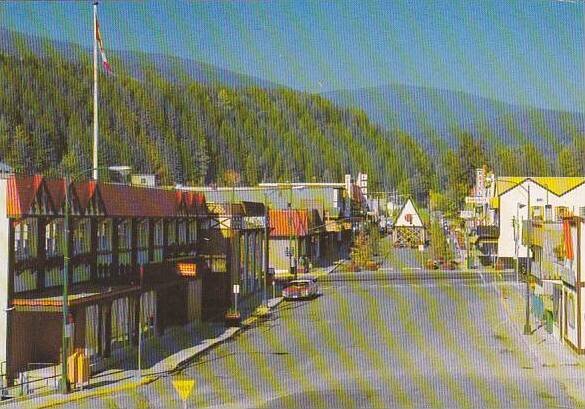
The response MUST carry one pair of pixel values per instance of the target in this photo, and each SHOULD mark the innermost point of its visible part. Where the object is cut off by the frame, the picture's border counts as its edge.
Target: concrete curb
(231, 333)
(150, 375)
(76, 396)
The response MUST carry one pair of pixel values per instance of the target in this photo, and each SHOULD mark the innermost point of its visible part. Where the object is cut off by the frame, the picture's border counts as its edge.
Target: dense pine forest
(191, 133)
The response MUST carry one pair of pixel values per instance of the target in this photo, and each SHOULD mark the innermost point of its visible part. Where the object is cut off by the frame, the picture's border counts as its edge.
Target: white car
(299, 289)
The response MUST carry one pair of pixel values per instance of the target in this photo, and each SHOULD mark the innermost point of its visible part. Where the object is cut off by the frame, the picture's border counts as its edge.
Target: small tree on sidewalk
(439, 246)
(362, 253)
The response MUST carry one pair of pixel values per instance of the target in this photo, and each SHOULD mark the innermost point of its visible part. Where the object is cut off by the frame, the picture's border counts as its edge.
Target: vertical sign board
(236, 289)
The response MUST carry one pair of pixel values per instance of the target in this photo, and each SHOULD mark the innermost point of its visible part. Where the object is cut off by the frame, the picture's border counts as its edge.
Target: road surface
(439, 342)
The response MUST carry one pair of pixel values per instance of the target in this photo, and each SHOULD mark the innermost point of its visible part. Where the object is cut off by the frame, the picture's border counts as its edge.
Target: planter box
(233, 320)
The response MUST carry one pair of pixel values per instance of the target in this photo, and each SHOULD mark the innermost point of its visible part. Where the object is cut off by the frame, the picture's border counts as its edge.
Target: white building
(550, 199)
(558, 287)
(409, 229)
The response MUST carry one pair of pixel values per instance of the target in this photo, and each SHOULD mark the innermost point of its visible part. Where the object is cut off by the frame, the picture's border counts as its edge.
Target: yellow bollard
(72, 369)
(82, 370)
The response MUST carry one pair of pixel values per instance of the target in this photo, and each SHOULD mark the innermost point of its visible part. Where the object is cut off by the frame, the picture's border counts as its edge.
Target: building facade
(558, 288)
(132, 259)
(551, 199)
(409, 229)
(233, 248)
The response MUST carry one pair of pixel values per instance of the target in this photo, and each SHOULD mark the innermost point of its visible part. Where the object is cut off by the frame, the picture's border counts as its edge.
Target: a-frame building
(409, 229)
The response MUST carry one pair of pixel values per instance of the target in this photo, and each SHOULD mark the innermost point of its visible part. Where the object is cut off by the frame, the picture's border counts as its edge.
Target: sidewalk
(553, 358)
(126, 376)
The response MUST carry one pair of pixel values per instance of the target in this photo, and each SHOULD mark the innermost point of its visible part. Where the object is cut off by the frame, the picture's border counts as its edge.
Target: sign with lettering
(254, 222)
(187, 269)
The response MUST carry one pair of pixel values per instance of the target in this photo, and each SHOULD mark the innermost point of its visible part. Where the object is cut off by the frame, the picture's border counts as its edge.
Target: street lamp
(517, 236)
(290, 227)
(65, 387)
(527, 329)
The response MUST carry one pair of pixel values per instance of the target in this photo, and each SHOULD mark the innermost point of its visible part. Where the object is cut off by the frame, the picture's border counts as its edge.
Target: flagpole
(95, 94)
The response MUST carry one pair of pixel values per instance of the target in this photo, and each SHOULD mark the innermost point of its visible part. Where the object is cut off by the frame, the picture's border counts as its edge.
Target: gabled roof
(195, 202)
(289, 223)
(557, 185)
(408, 216)
(133, 201)
(56, 188)
(103, 198)
(22, 191)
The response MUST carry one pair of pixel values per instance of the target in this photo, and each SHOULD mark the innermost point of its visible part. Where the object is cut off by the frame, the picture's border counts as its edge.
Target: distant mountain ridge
(434, 115)
(135, 64)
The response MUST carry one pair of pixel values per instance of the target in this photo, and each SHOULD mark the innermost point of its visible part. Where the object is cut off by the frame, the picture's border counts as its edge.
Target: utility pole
(266, 246)
(95, 94)
(527, 329)
(65, 388)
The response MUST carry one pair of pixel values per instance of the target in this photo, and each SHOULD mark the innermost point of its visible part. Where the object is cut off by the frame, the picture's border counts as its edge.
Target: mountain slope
(434, 116)
(135, 64)
(192, 133)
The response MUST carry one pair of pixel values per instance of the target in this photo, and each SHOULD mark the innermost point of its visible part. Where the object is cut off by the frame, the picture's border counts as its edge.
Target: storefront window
(570, 311)
(122, 318)
(182, 231)
(81, 237)
(25, 233)
(124, 235)
(172, 232)
(193, 231)
(54, 238)
(104, 235)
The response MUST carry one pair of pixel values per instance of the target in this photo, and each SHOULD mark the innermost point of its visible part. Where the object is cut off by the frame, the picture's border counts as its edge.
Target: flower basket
(233, 319)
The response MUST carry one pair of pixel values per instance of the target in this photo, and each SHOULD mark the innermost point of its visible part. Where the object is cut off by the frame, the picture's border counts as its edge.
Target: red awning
(289, 222)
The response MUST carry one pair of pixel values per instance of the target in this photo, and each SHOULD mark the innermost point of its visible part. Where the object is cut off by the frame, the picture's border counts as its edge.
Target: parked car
(299, 289)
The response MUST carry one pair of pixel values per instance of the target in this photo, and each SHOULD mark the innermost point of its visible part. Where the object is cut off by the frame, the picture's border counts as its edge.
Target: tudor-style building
(232, 247)
(126, 244)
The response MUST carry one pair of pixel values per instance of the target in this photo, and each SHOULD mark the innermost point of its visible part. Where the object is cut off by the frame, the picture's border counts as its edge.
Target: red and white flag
(98, 38)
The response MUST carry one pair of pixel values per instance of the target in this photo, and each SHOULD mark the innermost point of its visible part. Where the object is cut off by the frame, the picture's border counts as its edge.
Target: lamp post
(517, 237)
(66, 333)
(527, 329)
(290, 227)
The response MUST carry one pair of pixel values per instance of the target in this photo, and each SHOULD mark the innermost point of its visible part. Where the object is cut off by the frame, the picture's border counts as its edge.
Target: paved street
(371, 343)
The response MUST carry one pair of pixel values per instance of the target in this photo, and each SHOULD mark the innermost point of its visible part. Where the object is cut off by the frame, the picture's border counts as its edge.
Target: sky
(526, 52)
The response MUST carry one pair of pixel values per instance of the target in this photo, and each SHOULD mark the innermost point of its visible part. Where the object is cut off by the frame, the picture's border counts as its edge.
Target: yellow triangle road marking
(184, 387)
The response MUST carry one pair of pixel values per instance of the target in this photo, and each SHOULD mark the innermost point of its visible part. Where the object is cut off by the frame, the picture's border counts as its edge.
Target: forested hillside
(192, 133)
